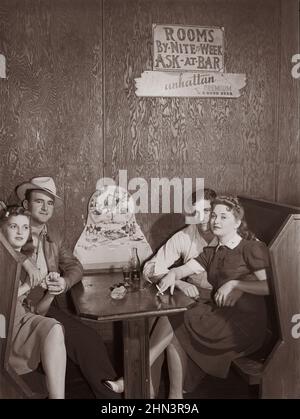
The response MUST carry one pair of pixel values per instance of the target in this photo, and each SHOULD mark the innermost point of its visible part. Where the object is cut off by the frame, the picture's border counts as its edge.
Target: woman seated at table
(230, 324)
(35, 338)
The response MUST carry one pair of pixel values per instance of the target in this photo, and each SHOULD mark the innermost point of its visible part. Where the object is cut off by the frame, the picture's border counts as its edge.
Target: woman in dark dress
(232, 321)
(228, 322)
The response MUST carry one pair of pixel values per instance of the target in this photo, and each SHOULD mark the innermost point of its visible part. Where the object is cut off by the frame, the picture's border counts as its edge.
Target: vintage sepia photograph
(149, 201)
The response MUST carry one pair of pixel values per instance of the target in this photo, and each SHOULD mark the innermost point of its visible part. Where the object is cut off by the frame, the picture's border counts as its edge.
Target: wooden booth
(276, 367)
(72, 108)
(12, 386)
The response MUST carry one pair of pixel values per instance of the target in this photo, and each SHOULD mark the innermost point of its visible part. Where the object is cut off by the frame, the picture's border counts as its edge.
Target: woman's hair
(11, 210)
(234, 206)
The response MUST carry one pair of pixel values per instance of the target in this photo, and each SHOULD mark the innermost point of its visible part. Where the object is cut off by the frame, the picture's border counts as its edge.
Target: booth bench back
(12, 386)
(278, 226)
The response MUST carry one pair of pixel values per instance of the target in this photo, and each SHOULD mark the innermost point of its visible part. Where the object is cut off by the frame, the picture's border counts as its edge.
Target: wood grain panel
(228, 142)
(289, 183)
(260, 101)
(281, 378)
(288, 155)
(289, 144)
(53, 111)
(51, 115)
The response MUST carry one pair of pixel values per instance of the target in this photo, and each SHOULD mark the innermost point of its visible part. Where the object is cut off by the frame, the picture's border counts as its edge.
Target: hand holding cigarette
(168, 281)
(160, 292)
(151, 282)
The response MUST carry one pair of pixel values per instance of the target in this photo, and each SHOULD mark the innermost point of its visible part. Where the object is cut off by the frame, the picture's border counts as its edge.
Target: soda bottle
(135, 269)
(130, 230)
(133, 227)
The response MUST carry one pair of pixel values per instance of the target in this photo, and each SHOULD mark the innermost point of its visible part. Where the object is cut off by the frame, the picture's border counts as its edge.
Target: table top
(92, 300)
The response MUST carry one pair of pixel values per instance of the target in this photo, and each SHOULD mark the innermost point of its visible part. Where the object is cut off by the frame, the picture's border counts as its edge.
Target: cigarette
(159, 290)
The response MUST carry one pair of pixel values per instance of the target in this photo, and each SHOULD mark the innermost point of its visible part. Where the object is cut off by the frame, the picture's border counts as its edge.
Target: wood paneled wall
(51, 102)
(232, 143)
(288, 145)
(65, 56)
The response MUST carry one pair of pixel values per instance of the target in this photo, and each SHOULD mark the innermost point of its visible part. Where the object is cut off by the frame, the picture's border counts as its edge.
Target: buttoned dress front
(214, 336)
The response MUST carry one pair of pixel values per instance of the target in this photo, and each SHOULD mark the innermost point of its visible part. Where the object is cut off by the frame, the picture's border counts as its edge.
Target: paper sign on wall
(188, 61)
(162, 84)
(188, 48)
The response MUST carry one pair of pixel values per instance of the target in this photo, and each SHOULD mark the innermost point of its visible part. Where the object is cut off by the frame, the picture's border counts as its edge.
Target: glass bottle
(135, 269)
(133, 227)
(130, 230)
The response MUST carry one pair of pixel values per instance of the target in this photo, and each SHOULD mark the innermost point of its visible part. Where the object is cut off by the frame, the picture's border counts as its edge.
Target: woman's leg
(177, 361)
(53, 355)
(161, 336)
(156, 367)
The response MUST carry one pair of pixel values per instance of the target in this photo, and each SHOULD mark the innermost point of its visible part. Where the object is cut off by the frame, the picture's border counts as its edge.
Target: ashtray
(118, 292)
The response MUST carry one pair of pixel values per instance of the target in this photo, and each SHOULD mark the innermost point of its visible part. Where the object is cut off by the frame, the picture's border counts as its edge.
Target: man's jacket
(59, 257)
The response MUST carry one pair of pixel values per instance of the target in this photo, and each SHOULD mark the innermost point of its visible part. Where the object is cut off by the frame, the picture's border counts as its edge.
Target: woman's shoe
(115, 386)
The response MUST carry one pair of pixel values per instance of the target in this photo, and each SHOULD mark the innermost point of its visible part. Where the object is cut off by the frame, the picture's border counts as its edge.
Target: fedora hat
(39, 183)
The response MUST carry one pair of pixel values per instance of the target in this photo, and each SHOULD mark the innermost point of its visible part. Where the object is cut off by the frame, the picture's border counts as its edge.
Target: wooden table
(92, 301)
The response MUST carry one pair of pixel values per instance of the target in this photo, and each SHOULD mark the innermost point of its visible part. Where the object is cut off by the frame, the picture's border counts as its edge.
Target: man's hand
(34, 275)
(168, 281)
(227, 295)
(56, 284)
(23, 288)
(188, 289)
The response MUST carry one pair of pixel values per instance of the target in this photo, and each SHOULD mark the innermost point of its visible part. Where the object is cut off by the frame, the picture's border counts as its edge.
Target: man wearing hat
(84, 345)
(39, 196)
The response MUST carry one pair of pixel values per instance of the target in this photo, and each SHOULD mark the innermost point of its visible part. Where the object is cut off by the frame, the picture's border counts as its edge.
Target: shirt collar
(39, 232)
(231, 244)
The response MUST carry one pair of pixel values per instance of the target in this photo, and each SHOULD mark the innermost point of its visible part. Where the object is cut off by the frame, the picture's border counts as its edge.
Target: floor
(210, 388)
(234, 387)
